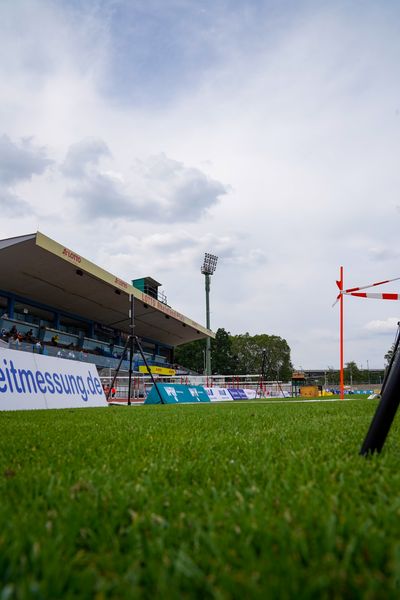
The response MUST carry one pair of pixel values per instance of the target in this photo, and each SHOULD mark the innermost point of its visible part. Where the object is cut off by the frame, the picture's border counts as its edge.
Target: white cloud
(20, 160)
(383, 254)
(158, 189)
(279, 154)
(82, 156)
(389, 325)
(11, 205)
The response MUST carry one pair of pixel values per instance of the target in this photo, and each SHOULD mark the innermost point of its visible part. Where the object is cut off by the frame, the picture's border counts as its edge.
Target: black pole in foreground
(387, 407)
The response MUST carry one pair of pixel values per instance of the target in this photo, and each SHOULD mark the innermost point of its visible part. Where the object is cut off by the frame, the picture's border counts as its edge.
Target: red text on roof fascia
(75, 257)
(121, 283)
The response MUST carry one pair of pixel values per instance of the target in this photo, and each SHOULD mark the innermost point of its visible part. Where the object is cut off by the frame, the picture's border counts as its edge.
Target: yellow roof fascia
(80, 262)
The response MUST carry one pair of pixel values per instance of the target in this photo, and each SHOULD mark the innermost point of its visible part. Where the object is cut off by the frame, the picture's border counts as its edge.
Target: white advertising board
(34, 381)
(217, 394)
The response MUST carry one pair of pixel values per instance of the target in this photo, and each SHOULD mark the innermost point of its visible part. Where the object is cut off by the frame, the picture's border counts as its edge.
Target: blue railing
(82, 356)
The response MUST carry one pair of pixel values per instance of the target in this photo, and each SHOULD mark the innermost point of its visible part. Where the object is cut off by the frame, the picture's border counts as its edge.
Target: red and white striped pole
(340, 286)
(355, 291)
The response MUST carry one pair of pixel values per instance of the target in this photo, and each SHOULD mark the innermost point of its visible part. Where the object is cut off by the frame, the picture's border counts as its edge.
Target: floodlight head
(210, 264)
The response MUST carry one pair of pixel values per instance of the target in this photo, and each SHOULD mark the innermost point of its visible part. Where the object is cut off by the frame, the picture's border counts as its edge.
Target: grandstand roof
(36, 267)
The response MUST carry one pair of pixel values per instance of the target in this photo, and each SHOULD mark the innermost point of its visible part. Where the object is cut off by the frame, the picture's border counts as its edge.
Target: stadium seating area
(54, 301)
(22, 335)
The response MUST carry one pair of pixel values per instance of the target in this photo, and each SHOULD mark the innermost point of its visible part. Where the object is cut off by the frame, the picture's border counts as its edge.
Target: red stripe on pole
(370, 285)
(382, 282)
(375, 296)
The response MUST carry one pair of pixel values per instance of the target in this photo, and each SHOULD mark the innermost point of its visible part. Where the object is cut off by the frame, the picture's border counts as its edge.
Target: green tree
(223, 359)
(239, 355)
(389, 354)
(352, 374)
(250, 351)
(191, 355)
(332, 376)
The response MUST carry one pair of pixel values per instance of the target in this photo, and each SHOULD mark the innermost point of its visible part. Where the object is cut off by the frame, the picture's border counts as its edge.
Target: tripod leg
(148, 368)
(131, 348)
(131, 343)
(118, 368)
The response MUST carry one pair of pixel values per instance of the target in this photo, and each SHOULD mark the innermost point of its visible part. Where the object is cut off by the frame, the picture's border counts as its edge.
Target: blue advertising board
(237, 394)
(177, 393)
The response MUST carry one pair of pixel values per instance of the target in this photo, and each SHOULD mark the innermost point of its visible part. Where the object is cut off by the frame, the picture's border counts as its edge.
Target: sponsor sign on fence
(250, 394)
(237, 394)
(217, 394)
(176, 393)
(35, 381)
(157, 370)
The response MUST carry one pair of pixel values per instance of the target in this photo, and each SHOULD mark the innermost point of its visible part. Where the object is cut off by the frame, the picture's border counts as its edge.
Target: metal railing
(142, 384)
(102, 362)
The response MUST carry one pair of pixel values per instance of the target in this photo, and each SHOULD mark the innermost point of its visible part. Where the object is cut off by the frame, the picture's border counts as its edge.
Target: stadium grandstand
(54, 301)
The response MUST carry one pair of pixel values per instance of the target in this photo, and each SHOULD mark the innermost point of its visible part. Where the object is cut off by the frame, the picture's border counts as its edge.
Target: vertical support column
(10, 307)
(208, 340)
(131, 344)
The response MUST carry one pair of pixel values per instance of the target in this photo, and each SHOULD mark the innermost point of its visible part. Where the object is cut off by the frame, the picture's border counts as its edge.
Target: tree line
(353, 375)
(243, 355)
(239, 355)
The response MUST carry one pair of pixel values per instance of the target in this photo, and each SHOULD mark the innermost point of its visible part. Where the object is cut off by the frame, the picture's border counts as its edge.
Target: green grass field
(234, 500)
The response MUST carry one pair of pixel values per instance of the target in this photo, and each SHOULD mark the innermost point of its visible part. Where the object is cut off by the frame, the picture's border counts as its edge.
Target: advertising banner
(35, 381)
(157, 370)
(237, 394)
(176, 393)
(217, 394)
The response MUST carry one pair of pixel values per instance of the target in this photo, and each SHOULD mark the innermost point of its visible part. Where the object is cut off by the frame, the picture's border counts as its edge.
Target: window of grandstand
(148, 347)
(63, 339)
(117, 351)
(22, 313)
(160, 359)
(22, 327)
(104, 337)
(96, 346)
(74, 326)
(32, 314)
(165, 353)
(105, 333)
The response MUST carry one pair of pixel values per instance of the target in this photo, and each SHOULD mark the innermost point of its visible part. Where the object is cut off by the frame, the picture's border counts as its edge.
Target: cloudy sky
(143, 133)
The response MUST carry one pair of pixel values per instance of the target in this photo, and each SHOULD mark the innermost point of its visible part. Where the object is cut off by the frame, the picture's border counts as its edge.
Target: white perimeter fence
(141, 384)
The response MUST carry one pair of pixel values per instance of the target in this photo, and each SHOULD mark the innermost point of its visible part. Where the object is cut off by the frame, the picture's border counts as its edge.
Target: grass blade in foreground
(220, 501)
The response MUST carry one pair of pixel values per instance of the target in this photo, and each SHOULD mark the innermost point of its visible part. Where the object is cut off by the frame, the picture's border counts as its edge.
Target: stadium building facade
(56, 302)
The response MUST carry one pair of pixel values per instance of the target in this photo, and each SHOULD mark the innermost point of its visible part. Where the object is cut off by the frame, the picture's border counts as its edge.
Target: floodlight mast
(208, 269)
